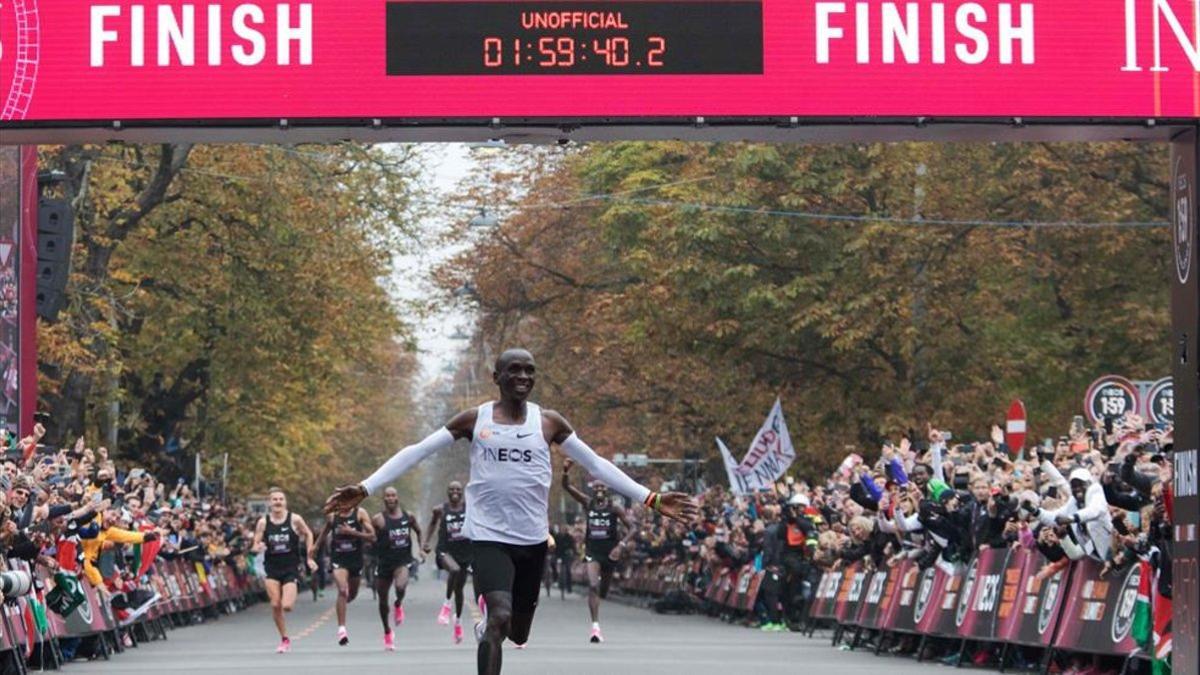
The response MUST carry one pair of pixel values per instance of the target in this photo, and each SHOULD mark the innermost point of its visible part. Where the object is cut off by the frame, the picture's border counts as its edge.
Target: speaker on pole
(56, 235)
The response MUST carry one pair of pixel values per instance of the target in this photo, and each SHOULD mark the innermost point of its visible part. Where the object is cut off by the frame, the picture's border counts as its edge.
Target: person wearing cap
(1085, 512)
(799, 537)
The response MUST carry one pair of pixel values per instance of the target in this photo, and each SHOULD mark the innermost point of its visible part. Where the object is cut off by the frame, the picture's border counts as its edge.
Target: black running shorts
(598, 551)
(461, 556)
(386, 568)
(509, 567)
(284, 573)
(351, 562)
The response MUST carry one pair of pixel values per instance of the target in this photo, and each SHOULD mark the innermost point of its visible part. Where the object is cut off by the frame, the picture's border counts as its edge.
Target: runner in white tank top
(507, 497)
(510, 479)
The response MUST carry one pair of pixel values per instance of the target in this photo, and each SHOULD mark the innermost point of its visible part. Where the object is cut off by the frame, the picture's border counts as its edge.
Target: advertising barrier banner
(1098, 616)
(824, 601)
(848, 594)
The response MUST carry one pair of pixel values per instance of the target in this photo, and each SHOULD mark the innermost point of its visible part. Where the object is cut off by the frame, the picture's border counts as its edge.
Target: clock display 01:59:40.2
(565, 52)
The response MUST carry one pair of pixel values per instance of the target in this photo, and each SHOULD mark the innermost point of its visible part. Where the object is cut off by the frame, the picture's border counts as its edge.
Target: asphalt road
(638, 641)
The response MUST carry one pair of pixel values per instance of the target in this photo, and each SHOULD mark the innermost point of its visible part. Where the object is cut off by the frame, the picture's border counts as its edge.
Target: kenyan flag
(1143, 628)
(1162, 634)
(1152, 623)
(36, 624)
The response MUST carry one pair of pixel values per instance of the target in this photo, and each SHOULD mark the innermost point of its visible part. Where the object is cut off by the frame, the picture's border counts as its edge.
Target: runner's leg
(355, 580)
(593, 575)
(606, 575)
(494, 573)
(459, 580)
(275, 595)
(288, 596)
(449, 564)
(527, 582)
(383, 587)
(400, 579)
(341, 578)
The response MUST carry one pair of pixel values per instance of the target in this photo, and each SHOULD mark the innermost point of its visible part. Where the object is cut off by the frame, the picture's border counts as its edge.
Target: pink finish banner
(189, 62)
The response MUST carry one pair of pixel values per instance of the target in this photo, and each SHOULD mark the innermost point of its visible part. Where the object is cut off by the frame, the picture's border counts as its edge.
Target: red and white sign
(123, 60)
(1014, 427)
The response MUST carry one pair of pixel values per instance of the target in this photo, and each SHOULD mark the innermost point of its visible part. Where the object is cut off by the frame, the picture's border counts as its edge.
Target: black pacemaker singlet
(346, 543)
(450, 530)
(395, 539)
(601, 523)
(282, 540)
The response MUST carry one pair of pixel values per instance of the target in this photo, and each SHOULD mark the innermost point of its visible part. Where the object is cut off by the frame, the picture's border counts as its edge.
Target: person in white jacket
(1086, 511)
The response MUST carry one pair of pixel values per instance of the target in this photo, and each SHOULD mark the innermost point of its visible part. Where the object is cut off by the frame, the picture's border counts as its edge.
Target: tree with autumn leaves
(671, 291)
(229, 299)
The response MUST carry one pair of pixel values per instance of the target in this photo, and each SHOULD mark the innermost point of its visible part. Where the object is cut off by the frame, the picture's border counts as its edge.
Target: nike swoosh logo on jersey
(525, 435)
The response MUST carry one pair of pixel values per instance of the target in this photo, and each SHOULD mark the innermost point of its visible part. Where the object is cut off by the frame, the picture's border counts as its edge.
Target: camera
(15, 583)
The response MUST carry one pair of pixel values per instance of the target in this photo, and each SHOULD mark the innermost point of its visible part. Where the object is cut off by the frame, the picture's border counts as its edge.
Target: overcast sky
(448, 163)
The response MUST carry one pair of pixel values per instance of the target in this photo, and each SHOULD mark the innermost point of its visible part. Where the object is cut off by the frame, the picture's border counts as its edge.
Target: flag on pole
(1143, 628)
(769, 456)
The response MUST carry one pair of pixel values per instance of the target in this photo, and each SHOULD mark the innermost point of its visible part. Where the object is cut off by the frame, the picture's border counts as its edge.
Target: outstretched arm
(575, 492)
(349, 496)
(672, 504)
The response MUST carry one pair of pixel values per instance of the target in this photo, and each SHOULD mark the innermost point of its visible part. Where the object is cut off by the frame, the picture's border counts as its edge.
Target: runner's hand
(679, 506)
(615, 554)
(567, 464)
(312, 565)
(427, 548)
(344, 499)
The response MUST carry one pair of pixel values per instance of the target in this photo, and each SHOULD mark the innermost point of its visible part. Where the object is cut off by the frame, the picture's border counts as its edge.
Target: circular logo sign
(964, 598)
(924, 595)
(1181, 197)
(85, 610)
(1049, 601)
(1110, 396)
(1123, 618)
(1160, 402)
(19, 37)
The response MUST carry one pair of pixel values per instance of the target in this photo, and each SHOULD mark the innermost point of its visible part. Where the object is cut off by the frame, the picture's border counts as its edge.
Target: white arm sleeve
(407, 458)
(604, 470)
(935, 451)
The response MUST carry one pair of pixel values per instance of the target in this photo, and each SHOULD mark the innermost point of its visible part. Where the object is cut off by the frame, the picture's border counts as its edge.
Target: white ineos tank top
(509, 491)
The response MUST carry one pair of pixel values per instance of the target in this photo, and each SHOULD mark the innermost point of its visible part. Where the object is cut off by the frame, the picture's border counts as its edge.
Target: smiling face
(391, 499)
(278, 502)
(454, 492)
(514, 374)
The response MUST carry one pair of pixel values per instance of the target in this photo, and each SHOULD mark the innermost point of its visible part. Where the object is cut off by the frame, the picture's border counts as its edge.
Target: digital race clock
(574, 38)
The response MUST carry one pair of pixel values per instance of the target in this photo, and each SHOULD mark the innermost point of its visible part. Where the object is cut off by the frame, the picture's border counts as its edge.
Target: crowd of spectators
(1101, 492)
(77, 511)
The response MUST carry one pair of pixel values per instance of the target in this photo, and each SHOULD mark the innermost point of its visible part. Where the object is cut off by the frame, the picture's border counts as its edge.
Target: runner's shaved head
(510, 355)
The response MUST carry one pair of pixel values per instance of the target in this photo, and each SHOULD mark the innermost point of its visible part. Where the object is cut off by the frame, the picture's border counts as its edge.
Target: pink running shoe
(596, 637)
(389, 644)
(458, 633)
(398, 615)
(444, 615)
(343, 636)
(285, 646)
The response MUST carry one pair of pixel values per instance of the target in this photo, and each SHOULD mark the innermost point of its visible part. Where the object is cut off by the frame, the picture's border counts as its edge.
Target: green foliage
(660, 325)
(242, 312)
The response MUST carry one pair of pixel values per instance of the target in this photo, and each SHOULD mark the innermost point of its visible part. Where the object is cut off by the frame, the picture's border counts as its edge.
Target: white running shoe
(481, 625)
